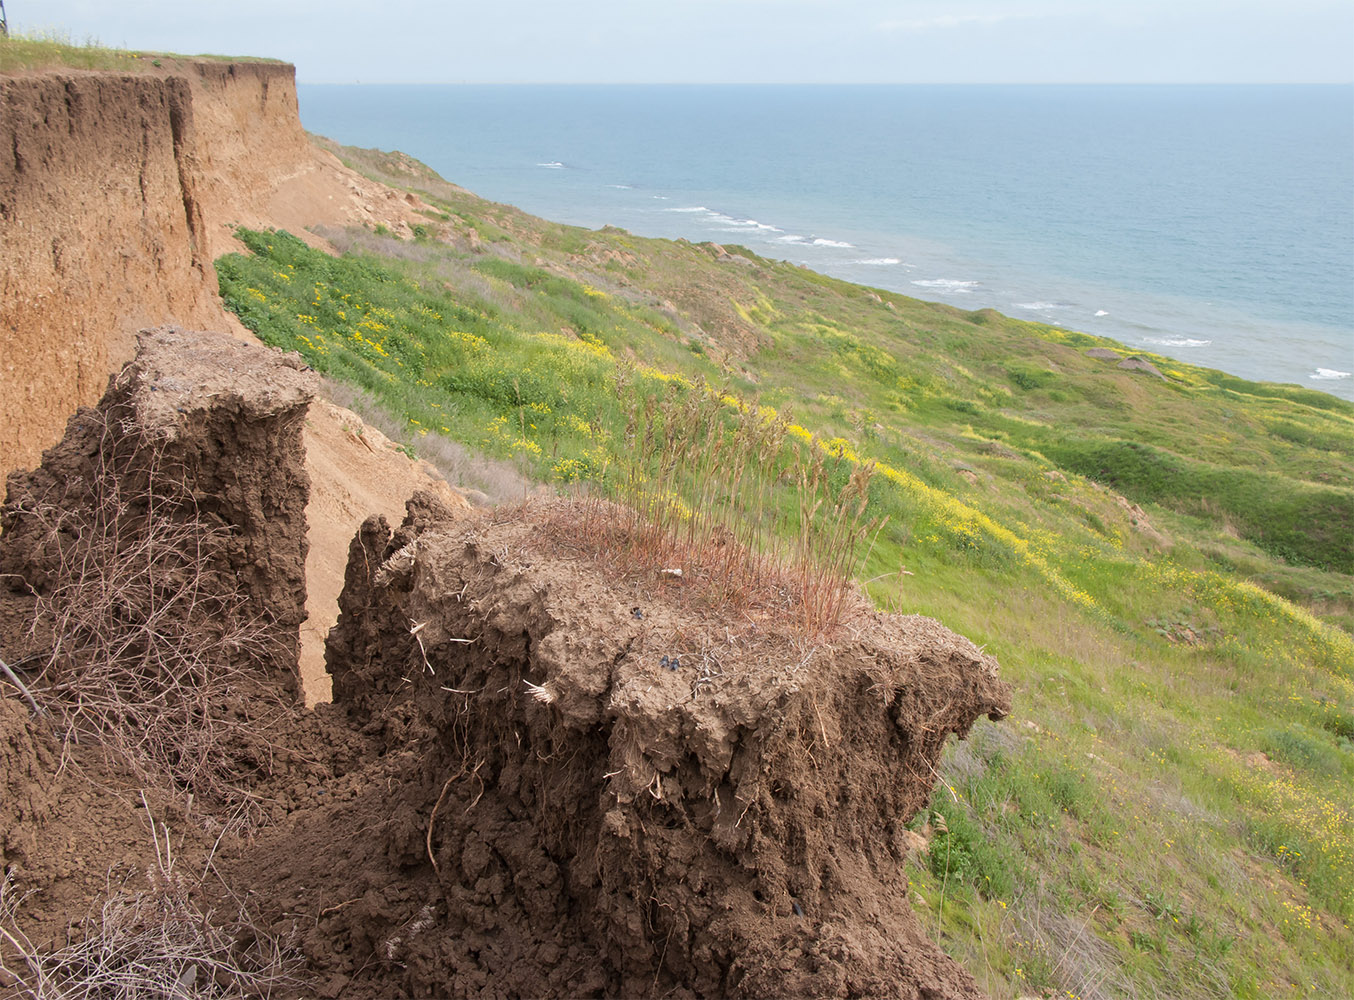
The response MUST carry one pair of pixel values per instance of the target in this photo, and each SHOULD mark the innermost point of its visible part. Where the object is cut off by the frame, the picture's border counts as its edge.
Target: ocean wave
(949, 284)
(878, 261)
(1101, 312)
(759, 226)
(791, 238)
(552, 165)
(1038, 306)
(1328, 373)
(1177, 341)
(622, 187)
(734, 224)
(820, 242)
(740, 230)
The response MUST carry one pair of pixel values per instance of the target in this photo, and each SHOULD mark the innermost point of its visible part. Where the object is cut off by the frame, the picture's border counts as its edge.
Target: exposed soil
(556, 813)
(541, 776)
(180, 435)
(355, 471)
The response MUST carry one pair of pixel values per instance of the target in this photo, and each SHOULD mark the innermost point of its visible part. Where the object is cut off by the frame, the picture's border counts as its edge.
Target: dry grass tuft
(703, 495)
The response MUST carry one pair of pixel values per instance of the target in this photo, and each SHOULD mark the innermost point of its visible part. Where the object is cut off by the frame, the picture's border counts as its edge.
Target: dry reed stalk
(697, 486)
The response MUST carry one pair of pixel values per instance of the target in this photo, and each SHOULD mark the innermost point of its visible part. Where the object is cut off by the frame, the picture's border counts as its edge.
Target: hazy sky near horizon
(739, 41)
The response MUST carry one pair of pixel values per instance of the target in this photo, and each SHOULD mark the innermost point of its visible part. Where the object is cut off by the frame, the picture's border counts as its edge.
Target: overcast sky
(739, 41)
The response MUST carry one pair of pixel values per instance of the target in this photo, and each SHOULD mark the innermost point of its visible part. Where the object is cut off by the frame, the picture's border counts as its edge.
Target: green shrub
(1301, 749)
(962, 852)
(1028, 377)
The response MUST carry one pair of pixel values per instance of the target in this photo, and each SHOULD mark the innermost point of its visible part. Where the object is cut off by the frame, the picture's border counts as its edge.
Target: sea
(1213, 224)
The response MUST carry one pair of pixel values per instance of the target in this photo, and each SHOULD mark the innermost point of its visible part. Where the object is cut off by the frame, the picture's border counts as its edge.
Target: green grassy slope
(1161, 565)
(28, 52)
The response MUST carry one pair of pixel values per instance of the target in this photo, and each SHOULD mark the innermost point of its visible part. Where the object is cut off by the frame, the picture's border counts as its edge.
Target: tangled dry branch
(148, 630)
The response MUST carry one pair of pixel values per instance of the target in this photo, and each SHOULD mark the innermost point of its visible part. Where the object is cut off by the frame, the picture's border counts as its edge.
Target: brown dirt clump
(26, 792)
(181, 435)
(597, 785)
(192, 463)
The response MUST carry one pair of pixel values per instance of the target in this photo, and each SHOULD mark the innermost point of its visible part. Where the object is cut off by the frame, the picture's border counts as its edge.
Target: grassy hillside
(1161, 564)
(20, 52)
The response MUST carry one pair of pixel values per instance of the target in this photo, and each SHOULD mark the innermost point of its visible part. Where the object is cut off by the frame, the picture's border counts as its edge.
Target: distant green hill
(1161, 563)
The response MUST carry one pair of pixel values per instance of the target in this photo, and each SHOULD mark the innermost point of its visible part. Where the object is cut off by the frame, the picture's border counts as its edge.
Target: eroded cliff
(101, 235)
(116, 192)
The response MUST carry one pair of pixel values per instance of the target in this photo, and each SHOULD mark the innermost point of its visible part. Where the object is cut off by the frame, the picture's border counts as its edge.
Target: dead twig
(152, 942)
(432, 818)
(346, 903)
(23, 689)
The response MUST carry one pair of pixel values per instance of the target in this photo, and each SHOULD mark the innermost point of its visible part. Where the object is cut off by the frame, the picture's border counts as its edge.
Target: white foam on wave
(731, 224)
(1101, 312)
(792, 238)
(659, 197)
(726, 223)
(622, 187)
(1177, 341)
(949, 284)
(1038, 306)
(878, 261)
(1328, 373)
(552, 165)
(820, 242)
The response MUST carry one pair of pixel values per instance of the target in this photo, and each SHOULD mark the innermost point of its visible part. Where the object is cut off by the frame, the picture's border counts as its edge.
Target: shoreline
(560, 164)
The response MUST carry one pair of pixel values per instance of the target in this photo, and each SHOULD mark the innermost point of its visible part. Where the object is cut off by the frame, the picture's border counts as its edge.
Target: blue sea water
(1214, 224)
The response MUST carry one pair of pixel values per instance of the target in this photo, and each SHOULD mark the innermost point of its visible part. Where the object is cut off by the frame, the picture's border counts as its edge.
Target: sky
(738, 41)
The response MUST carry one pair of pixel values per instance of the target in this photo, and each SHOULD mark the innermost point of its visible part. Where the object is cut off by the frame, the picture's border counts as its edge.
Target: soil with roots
(543, 774)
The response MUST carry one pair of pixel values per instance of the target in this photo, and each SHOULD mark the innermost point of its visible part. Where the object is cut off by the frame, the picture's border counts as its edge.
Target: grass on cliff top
(41, 51)
(1162, 568)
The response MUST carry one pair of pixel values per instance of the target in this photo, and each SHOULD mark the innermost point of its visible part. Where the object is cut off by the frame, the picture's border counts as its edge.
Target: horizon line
(827, 83)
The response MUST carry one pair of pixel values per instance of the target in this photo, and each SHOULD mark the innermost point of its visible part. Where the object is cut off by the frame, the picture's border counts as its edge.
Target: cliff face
(116, 192)
(101, 235)
(247, 141)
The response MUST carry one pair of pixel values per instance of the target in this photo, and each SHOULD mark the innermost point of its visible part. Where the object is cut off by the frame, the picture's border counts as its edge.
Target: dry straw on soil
(149, 941)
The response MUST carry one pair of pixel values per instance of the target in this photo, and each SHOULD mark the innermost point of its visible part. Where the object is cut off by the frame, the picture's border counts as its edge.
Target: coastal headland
(404, 595)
